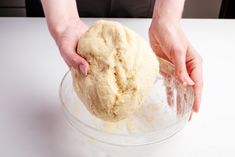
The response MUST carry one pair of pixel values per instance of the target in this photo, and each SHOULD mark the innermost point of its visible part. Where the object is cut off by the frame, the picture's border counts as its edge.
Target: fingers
(73, 59)
(188, 67)
(196, 75)
(170, 95)
(179, 59)
(195, 69)
(179, 104)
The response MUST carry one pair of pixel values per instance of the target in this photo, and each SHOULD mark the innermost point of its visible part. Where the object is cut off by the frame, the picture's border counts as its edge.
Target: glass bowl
(164, 112)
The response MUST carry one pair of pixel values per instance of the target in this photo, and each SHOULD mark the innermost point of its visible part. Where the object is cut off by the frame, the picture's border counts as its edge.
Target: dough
(123, 68)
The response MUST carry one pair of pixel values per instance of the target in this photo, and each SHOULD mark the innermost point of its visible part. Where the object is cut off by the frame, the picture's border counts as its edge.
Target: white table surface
(31, 70)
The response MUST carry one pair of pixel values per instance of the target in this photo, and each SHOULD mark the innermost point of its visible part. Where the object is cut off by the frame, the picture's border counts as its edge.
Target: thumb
(73, 59)
(79, 63)
(179, 59)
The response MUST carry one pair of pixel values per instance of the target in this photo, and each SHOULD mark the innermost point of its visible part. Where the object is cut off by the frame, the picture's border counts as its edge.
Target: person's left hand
(169, 42)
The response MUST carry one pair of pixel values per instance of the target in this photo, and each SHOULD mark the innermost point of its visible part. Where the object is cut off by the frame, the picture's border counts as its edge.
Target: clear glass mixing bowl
(165, 112)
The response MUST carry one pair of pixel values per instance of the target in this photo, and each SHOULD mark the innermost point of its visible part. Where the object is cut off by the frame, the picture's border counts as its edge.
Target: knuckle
(77, 59)
(180, 74)
(176, 53)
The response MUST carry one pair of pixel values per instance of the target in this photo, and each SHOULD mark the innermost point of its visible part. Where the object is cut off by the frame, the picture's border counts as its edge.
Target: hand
(169, 42)
(67, 41)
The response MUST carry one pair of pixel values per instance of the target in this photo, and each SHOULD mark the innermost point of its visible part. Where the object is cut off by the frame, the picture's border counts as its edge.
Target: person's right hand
(168, 41)
(67, 41)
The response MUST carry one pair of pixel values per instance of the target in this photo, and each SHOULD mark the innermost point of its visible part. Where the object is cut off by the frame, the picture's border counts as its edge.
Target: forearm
(59, 14)
(168, 10)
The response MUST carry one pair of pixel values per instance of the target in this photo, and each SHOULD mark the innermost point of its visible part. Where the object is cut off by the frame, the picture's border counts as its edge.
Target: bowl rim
(117, 134)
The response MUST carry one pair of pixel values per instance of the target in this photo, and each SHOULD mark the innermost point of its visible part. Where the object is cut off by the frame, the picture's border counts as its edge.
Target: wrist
(168, 11)
(165, 22)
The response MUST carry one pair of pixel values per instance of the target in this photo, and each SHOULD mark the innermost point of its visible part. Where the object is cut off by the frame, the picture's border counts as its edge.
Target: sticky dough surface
(123, 67)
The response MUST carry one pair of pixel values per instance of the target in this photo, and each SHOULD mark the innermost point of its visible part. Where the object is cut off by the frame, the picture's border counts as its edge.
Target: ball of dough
(123, 68)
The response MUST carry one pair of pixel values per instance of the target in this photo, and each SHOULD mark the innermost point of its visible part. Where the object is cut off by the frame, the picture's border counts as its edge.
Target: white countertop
(31, 70)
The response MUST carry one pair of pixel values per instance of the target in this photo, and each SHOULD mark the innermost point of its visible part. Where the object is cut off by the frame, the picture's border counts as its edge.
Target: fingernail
(188, 82)
(82, 68)
(185, 83)
(196, 109)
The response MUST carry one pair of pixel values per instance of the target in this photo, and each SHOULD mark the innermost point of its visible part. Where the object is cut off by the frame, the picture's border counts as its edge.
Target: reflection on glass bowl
(165, 112)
